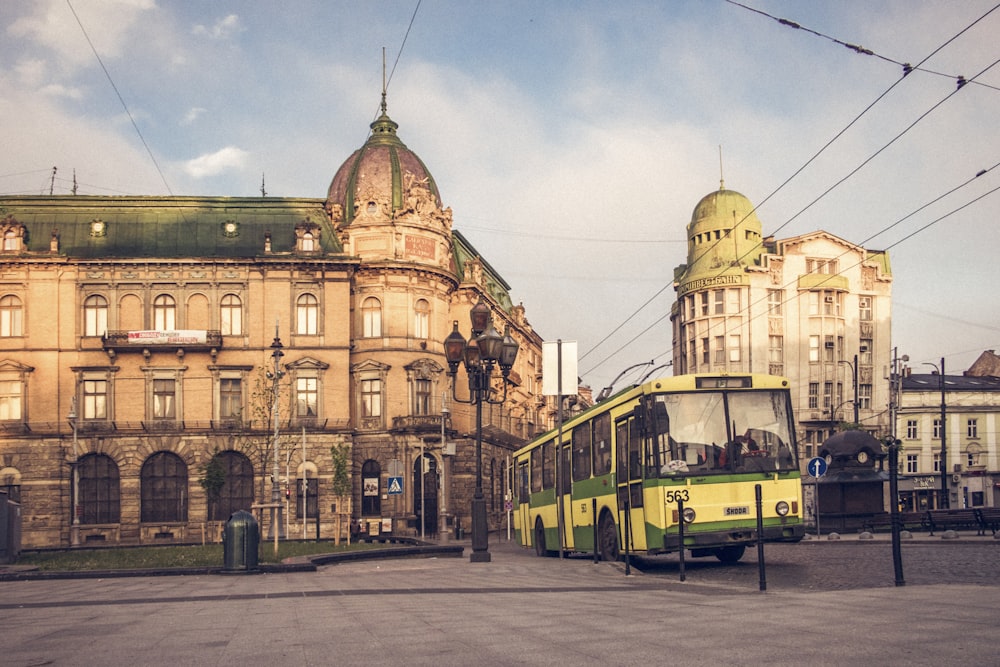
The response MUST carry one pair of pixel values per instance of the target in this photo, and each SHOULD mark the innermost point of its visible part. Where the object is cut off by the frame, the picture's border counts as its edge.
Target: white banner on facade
(180, 337)
(559, 356)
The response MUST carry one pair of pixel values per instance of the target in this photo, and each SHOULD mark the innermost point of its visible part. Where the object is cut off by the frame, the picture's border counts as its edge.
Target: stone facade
(139, 338)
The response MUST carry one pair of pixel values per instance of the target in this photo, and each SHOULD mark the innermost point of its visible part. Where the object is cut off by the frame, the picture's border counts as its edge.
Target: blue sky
(571, 139)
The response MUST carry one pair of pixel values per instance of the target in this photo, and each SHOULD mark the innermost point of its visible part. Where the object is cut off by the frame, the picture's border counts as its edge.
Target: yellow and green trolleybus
(613, 478)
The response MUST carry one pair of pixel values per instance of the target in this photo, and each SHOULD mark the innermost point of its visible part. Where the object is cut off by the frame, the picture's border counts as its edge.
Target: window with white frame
(704, 303)
(371, 317)
(164, 398)
(865, 352)
(776, 349)
(733, 306)
(813, 348)
(865, 396)
(307, 315)
(231, 315)
(774, 302)
(421, 319)
(371, 397)
(912, 430)
(230, 398)
(95, 399)
(829, 349)
(734, 347)
(937, 429)
(972, 428)
(705, 352)
(720, 349)
(911, 463)
(11, 401)
(719, 298)
(814, 395)
(306, 396)
(164, 313)
(95, 315)
(827, 394)
(937, 461)
(865, 308)
(11, 316)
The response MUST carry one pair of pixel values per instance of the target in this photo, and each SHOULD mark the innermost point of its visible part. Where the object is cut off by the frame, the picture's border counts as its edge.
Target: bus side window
(602, 444)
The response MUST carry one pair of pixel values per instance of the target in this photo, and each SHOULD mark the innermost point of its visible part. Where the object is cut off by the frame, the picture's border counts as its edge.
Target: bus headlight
(689, 515)
(781, 508)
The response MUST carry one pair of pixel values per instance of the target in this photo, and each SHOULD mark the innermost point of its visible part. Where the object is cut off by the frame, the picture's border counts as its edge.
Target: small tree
(341, 483)
(213, 478)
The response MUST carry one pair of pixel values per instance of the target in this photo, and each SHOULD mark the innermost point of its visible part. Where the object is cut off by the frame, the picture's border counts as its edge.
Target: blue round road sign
(817, 466)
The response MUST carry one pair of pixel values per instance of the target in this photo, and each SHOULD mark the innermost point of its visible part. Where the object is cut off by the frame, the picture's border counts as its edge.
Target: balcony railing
(193, 340)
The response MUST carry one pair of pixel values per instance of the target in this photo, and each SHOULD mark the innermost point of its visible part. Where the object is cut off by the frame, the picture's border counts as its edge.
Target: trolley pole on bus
(480, 354)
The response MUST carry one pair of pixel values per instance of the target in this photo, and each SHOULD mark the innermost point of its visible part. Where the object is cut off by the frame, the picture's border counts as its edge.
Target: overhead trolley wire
(906, 70)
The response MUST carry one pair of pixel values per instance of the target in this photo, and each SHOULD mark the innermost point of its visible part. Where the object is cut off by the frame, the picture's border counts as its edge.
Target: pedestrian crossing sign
(395, 486)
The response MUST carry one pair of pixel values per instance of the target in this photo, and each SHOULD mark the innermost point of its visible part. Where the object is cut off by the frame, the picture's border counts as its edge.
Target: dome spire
(722, 180)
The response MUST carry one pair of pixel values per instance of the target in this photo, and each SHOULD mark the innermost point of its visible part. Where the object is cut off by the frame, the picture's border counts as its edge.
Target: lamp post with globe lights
(484, 350)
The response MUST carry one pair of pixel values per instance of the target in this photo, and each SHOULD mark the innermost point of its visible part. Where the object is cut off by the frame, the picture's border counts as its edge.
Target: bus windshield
(715, 432)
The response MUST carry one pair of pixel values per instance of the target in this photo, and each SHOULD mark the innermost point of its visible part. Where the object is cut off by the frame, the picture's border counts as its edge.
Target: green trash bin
(240, 542)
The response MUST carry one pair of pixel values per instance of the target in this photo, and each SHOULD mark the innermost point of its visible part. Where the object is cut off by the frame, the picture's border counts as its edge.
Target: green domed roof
(377, 172)
(724, 234)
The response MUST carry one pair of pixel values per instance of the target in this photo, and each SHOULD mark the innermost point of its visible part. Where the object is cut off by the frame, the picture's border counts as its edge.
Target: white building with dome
(814, 308)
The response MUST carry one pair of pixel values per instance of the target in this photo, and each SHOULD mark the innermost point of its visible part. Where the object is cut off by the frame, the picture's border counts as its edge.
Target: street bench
(989, 519)
(907, 521)
(963, 519)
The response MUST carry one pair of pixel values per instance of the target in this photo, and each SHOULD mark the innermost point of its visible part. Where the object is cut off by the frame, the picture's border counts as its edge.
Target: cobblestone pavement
(845, 565)
(826, 604)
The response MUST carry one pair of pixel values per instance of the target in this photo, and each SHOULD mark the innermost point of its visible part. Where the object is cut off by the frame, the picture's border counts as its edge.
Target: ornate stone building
(139, 338)
(814, 308)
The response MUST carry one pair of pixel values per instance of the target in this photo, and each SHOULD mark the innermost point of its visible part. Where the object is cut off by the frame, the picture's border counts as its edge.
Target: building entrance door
(425, 495)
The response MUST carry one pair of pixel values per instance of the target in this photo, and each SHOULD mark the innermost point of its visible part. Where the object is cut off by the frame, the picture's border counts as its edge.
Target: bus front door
(566, 497)
(629, 478)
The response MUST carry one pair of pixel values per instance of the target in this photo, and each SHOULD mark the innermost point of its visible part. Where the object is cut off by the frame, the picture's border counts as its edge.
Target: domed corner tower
(385, 205)
(724, 235)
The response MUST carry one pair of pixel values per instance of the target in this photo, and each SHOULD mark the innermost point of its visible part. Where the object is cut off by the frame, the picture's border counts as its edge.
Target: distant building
(137, 335)
(970, 475)
(814, 308)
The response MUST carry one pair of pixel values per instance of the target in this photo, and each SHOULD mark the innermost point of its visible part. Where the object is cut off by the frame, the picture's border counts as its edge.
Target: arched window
(164, 313)
(164, 488)
(11, 240)
(371, 488)
(371, 317)
(236, 492)
(231, 315)
(421, 319)
(95, 315)
(307, 315)
(99, 489)
(10, 316)
(307, 243)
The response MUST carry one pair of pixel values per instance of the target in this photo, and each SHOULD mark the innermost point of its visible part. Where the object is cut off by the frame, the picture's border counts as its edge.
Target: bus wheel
(730, 554)
(540, 549)
(607, 538)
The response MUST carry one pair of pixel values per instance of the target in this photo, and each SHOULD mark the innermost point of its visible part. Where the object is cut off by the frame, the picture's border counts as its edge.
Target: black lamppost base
(480, 557)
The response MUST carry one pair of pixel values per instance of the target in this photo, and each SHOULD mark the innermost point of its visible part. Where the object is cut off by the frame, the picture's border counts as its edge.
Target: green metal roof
(166, 227)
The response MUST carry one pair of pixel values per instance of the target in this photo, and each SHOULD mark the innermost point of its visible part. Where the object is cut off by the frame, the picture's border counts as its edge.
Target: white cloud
(192, 115)
(223, 28)
(211, 164)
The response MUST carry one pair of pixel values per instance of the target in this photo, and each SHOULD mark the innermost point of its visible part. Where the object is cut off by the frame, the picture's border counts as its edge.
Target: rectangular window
(704, 303)
(937, 461)
(95, 399)
(774, 302)
(602, 444)
(865, 352)
(911, 463)
(734, 301)
(306, 397)
(813, 348)
(734, 347)
(972, 428)
(720, 301)
(10, 399)
(865, 308)
(230, 398)
(371, 398)
(912, 432)
(582, 452)
(691, 307)
(422, 397)
(814, 303)
(776, 349)
(693, 355)
(865, 396)
(164, 399)
(827, 394)
(720, 349)
(814, 395)
(829, 349)
(937, 429)
(705, 353)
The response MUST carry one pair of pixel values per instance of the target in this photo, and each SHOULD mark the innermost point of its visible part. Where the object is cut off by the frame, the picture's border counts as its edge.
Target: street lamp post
(74, 531)
(277, 525)
(944, 437)
(484, 350)
(854, 383)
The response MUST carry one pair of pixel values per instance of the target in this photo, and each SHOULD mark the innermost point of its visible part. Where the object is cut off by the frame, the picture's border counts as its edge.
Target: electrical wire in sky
(838, 135)
(128, 113)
